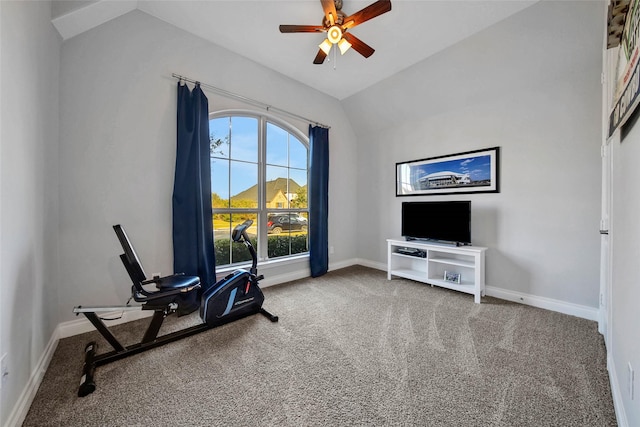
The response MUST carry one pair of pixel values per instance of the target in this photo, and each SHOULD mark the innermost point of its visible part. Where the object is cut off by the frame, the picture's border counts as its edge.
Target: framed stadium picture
(470, 172)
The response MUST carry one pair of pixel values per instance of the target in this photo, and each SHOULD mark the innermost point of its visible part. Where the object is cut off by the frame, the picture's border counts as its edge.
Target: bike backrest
(130, 259)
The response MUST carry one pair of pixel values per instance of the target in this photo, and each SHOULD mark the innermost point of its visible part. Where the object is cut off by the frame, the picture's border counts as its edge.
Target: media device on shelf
(448, 221)
(412, 251)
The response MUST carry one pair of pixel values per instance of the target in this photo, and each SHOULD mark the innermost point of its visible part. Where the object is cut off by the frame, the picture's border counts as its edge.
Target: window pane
(244, 139)
(276, 145)
(300, 241)
(297, 153)
(277, 188)
(227, 251)
(287, 234)
(219, 136)
(239, 252)
(220, 183)
(244, 185)
(222, 238)
(298, 185)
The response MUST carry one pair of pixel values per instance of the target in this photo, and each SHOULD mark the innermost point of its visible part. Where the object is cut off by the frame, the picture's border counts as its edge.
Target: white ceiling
(412, 31)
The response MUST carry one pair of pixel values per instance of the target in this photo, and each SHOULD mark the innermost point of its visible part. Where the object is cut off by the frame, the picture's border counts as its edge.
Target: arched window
(259, 171)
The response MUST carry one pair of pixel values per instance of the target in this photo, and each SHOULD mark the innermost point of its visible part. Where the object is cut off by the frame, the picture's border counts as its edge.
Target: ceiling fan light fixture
(326, 46)
(334, 34)
(344, 46)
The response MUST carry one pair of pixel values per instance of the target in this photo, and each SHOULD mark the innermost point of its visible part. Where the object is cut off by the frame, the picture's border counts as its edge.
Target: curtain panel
(319, 201)
(193, 251)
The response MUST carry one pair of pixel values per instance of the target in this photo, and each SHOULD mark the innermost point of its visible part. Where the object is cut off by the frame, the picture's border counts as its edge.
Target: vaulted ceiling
(412, 31)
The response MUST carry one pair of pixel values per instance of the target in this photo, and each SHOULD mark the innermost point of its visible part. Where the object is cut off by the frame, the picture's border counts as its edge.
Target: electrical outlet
(630, 379)
(4, 370)
(156, 275)
(330, 249)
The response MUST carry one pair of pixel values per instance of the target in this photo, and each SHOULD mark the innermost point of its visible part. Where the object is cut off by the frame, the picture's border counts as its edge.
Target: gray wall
(62, 7)
(117, 147)
(28, 190)
(531, 85)
(624, 341)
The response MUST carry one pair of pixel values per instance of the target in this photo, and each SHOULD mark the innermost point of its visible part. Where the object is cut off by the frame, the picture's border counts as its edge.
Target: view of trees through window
(259, 171)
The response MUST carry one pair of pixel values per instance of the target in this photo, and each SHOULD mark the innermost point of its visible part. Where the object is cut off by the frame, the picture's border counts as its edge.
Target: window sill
(263, 264)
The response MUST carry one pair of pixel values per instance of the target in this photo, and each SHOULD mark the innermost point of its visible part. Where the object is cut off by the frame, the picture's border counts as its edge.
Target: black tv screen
(442, 221)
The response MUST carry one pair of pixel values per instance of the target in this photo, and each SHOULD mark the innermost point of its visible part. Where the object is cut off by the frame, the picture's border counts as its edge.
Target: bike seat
(175, 281)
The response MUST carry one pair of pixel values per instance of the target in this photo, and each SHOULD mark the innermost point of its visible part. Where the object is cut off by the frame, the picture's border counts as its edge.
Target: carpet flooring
(351, 349)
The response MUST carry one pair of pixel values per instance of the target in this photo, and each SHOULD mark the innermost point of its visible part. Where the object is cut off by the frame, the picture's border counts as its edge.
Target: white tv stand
(468, 261)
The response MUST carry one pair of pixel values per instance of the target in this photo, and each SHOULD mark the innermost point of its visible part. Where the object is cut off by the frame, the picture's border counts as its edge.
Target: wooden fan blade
(329, 8)
(358, 45)
(301, 28)
(320, 57)
(369, 12)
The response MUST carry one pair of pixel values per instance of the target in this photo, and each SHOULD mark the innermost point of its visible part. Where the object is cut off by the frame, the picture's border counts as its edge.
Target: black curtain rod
(228, 94)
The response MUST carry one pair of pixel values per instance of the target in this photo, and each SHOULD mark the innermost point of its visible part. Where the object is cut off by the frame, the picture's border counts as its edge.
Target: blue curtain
(193, 252)
(319, 201)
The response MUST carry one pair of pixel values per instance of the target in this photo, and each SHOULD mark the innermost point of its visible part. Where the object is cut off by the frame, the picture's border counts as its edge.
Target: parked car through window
(276, 224)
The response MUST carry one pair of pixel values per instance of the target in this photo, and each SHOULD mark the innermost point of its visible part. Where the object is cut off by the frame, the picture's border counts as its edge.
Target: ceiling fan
(336, 24)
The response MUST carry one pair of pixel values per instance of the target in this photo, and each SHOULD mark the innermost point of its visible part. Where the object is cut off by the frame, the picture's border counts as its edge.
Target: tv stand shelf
(429, 265)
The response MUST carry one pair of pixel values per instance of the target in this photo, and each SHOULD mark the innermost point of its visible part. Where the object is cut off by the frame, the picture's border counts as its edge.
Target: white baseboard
(283, 278)
(343, 264)
(82, 325)
(618, 403)
(21, 408)
(63, 330)
(372, 264)
(584, 312)
(306, 272)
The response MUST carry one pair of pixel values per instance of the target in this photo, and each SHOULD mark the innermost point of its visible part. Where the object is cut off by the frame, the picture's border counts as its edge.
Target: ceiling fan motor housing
(334, 34)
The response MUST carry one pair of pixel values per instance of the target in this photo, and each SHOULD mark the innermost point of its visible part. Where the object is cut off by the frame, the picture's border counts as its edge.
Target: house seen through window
(259, 171)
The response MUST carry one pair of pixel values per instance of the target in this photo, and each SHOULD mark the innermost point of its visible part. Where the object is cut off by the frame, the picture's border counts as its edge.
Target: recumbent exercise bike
(234, 297)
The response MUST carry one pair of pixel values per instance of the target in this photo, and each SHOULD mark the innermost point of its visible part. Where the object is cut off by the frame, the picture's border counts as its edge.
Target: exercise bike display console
(234, 297)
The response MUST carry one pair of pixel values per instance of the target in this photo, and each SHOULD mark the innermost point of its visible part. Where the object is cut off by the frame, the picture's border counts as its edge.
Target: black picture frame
(475, 171)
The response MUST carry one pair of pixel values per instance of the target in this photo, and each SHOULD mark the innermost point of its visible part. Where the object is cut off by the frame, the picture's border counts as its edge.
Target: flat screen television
(448, 221)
